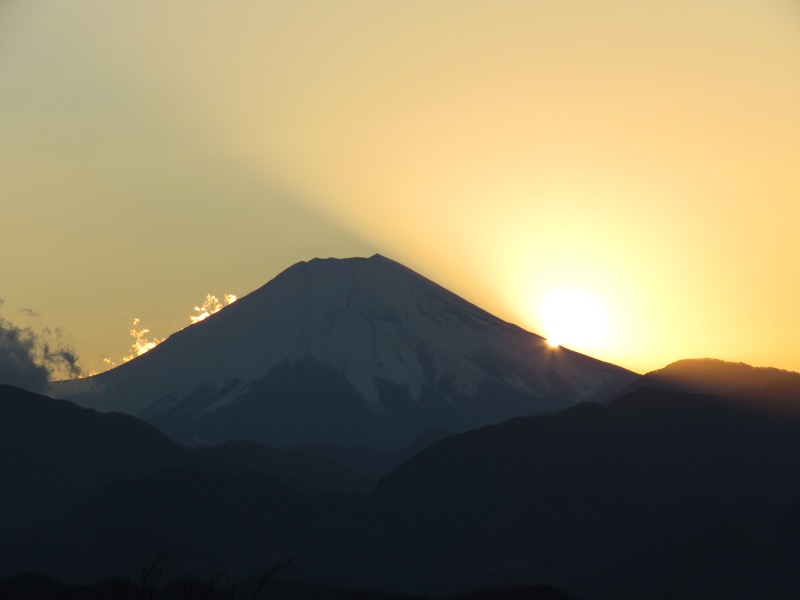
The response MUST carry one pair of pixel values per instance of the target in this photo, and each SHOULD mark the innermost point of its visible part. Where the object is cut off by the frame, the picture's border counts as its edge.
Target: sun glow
(575, 319)
(141, 343)
(210, 306)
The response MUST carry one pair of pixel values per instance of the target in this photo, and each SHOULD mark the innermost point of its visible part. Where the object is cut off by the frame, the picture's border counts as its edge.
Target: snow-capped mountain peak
(385, 334)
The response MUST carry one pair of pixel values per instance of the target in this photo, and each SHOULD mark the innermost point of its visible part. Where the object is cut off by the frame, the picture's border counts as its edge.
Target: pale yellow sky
(643, 153)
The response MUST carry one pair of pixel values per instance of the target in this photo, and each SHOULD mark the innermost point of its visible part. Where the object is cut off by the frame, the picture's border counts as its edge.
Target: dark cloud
(31, 359)
(17, 364)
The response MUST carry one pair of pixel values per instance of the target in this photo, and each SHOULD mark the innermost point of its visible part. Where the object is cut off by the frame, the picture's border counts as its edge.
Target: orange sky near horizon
(643, 154)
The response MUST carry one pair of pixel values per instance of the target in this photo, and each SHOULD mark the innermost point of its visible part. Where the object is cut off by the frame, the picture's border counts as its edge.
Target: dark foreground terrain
(24, 587)
(661, 494)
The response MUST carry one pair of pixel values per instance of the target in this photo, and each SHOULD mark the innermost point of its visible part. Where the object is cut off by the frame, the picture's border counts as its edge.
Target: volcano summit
(346, 351)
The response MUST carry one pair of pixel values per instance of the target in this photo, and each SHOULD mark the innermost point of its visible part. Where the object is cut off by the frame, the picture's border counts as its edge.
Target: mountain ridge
(54, 454)
(620, 501)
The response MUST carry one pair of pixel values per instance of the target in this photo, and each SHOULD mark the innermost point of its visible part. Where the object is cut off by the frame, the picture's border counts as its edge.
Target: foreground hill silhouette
(349, 352)
(26, 587)
(56, 454)
(661, 494)
(599, 497)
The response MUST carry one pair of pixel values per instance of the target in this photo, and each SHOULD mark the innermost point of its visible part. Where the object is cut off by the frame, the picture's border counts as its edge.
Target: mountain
(346, 351)
(55, 454)
(307, 472)
(369, 463)
(632, 499)
(660, 494)
(205, 521)
(710, 375)
(780, 396)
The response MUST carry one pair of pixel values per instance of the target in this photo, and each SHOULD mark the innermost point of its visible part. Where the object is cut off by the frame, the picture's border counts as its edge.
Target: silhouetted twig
(150, 575)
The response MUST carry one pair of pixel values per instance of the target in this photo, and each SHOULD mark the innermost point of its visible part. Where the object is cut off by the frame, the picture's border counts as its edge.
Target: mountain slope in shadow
(660, 494)
(55, 454)
(595, 500)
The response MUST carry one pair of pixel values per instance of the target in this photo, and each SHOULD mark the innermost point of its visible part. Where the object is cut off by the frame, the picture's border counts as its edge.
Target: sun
(575, 319)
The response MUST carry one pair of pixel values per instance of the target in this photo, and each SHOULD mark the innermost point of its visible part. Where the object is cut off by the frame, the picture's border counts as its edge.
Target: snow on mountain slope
(385, 337)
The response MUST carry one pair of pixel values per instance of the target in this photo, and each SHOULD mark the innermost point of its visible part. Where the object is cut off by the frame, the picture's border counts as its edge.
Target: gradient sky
(644, 153)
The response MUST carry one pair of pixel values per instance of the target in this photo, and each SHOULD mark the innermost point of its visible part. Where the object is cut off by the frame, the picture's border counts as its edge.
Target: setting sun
(575, 319)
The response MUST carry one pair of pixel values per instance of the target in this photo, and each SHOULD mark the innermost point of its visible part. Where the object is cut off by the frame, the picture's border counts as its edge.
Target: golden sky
(643, 154)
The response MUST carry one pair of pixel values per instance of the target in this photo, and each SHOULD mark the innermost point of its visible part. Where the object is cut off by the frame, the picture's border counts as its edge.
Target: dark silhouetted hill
(202, 520)
(309, 472)
(595, 500)
(369, 463)
(660, 494)
(54, 454)
(712, 376)
(37, 587)
(781, 396)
